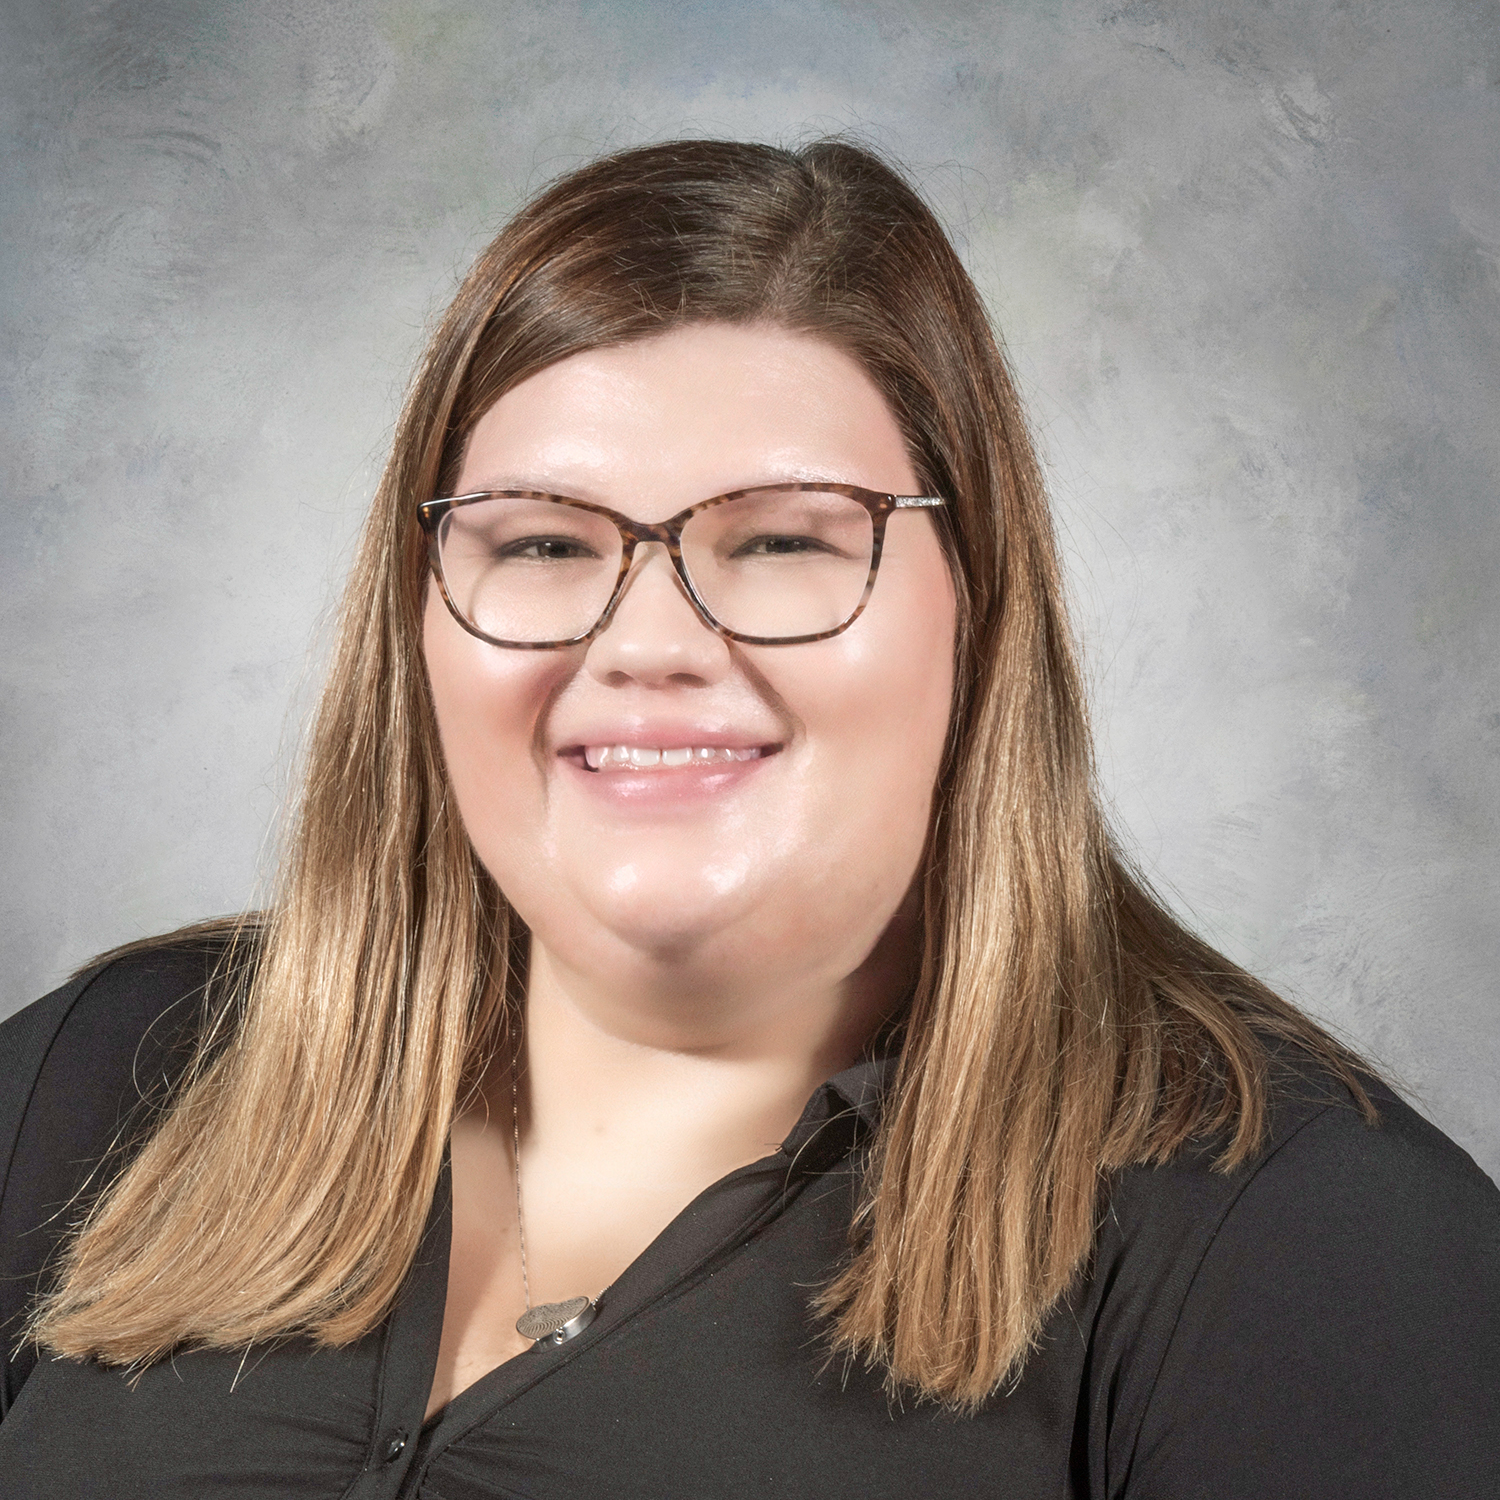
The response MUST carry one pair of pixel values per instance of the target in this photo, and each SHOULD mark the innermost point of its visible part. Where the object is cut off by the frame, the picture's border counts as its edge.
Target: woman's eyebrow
(537, 484)
(596, 494)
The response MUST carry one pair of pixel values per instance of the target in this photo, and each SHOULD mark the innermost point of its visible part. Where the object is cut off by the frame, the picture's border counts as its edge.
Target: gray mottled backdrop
(1247, 260)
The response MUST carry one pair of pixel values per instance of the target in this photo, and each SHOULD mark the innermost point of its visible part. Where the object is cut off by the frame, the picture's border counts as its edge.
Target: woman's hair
(1063, 1027)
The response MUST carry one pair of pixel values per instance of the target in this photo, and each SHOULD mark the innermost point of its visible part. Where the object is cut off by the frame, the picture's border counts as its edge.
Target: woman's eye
(778, 546)
(547, 549)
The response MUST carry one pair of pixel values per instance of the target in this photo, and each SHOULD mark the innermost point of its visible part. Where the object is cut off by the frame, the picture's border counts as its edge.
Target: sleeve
(75, 1070)
(25, 1040)
(1340, 1336)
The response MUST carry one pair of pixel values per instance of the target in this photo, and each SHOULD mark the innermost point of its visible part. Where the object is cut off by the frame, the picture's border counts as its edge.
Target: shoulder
(79, 1072)
(1320, 1162)
(1312, 1323)
(118, 1023)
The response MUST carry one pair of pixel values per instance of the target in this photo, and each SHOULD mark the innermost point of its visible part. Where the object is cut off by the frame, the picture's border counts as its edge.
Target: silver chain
(581, 1318)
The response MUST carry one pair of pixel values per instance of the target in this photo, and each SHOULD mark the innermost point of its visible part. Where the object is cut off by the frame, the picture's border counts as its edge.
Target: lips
(666, 748)
(667, 757)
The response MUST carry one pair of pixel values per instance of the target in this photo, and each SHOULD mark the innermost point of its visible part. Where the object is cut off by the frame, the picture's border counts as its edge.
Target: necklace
(552, 1322)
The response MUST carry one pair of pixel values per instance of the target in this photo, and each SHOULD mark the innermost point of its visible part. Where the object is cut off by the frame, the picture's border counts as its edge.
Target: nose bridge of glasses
(637, 537)
(638, 534)
(653, 541)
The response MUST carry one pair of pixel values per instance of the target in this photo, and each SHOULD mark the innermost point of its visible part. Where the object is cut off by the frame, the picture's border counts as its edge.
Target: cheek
(899, 667)
(876, 703)
(488, 702)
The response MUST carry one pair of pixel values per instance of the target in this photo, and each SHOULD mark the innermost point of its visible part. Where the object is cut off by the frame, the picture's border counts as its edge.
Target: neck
(697, 1078)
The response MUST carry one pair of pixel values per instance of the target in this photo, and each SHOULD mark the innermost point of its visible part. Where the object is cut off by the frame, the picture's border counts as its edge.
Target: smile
(647, 758)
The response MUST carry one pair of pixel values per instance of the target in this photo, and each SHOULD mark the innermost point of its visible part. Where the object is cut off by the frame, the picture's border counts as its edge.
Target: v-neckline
(719, 1218)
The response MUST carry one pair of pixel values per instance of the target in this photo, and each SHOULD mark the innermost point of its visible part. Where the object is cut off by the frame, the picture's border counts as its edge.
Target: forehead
(662, 422)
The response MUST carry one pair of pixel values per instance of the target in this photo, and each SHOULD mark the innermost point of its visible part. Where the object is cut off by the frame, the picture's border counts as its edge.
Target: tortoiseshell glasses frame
(668, 533)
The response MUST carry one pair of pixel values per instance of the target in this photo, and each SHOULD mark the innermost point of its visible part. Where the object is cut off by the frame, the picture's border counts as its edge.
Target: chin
(662, 908)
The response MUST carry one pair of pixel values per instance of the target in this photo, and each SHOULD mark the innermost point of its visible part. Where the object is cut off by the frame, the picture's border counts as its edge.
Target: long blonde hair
(1063, 1026)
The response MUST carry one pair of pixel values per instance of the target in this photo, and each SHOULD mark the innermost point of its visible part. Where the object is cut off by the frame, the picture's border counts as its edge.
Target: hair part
(1064, 1025)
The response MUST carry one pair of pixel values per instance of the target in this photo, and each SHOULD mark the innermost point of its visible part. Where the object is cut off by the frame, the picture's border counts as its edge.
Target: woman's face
(785, 868)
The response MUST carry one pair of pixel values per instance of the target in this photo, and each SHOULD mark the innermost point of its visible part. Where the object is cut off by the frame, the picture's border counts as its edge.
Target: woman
(705, 1042)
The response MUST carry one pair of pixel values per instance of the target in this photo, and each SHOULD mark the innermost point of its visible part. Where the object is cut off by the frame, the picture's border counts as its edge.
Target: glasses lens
(528, 570)
(780, 562)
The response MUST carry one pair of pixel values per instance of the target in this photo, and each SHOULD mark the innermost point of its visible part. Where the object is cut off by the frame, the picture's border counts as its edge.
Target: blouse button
(394, 1445)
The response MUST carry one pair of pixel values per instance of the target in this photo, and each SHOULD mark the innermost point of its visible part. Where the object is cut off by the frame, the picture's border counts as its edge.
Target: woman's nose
(656, 635)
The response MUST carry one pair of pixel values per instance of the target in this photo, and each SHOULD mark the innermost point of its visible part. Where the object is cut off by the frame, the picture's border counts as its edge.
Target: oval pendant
(557, 1322)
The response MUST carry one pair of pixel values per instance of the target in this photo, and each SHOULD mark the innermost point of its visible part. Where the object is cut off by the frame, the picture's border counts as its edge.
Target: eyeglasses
(771, 566)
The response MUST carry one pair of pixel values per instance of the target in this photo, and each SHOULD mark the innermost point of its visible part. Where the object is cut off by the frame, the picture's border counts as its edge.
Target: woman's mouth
(667, 757)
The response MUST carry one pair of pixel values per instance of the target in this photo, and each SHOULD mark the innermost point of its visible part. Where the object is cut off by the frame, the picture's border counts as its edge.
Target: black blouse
(1324, 1322)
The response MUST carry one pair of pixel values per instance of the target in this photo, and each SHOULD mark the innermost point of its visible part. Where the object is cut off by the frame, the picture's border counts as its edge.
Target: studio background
(1246, 259)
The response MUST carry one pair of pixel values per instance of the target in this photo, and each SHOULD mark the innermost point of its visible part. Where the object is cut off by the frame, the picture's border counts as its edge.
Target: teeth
(641, 758)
